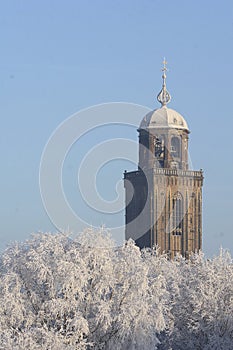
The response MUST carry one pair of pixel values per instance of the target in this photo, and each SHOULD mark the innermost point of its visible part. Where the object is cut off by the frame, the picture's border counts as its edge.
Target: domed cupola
(163, 135)
(164, 118)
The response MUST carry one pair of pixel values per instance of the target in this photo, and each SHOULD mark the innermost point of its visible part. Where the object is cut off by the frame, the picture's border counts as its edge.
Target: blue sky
(58, 57)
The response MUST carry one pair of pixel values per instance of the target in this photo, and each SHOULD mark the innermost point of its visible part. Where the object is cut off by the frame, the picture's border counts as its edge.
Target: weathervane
(164, 97)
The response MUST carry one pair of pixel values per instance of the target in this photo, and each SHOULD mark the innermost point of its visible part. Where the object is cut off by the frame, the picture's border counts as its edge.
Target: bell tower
(164, 197)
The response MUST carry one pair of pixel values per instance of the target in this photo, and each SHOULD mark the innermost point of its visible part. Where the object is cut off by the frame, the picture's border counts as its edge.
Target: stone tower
(164, 197)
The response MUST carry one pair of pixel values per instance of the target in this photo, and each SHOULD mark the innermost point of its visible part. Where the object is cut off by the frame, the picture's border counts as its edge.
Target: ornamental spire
(164, 97)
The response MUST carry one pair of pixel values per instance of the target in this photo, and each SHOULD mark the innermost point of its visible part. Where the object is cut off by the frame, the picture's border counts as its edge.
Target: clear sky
(58, 57)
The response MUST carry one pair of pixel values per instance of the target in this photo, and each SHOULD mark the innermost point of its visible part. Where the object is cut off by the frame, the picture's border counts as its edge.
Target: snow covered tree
(203, 310)
(84, 293)
(58, 293)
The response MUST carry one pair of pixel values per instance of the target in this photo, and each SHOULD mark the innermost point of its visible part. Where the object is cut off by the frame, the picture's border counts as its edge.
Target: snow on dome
(164, 118)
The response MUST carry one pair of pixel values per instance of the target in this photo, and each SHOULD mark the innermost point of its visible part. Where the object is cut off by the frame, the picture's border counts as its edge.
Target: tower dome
(164, 118)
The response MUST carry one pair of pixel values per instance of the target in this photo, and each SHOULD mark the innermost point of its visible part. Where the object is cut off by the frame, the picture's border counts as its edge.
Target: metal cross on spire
(164, 97)
(164, 65)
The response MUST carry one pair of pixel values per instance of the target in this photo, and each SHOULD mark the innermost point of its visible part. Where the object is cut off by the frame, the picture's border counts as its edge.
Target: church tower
(164, 197)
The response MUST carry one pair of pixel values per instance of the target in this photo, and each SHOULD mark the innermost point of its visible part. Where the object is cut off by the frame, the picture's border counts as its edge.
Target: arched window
(177, 214)
(175, 147)
(159, 146)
